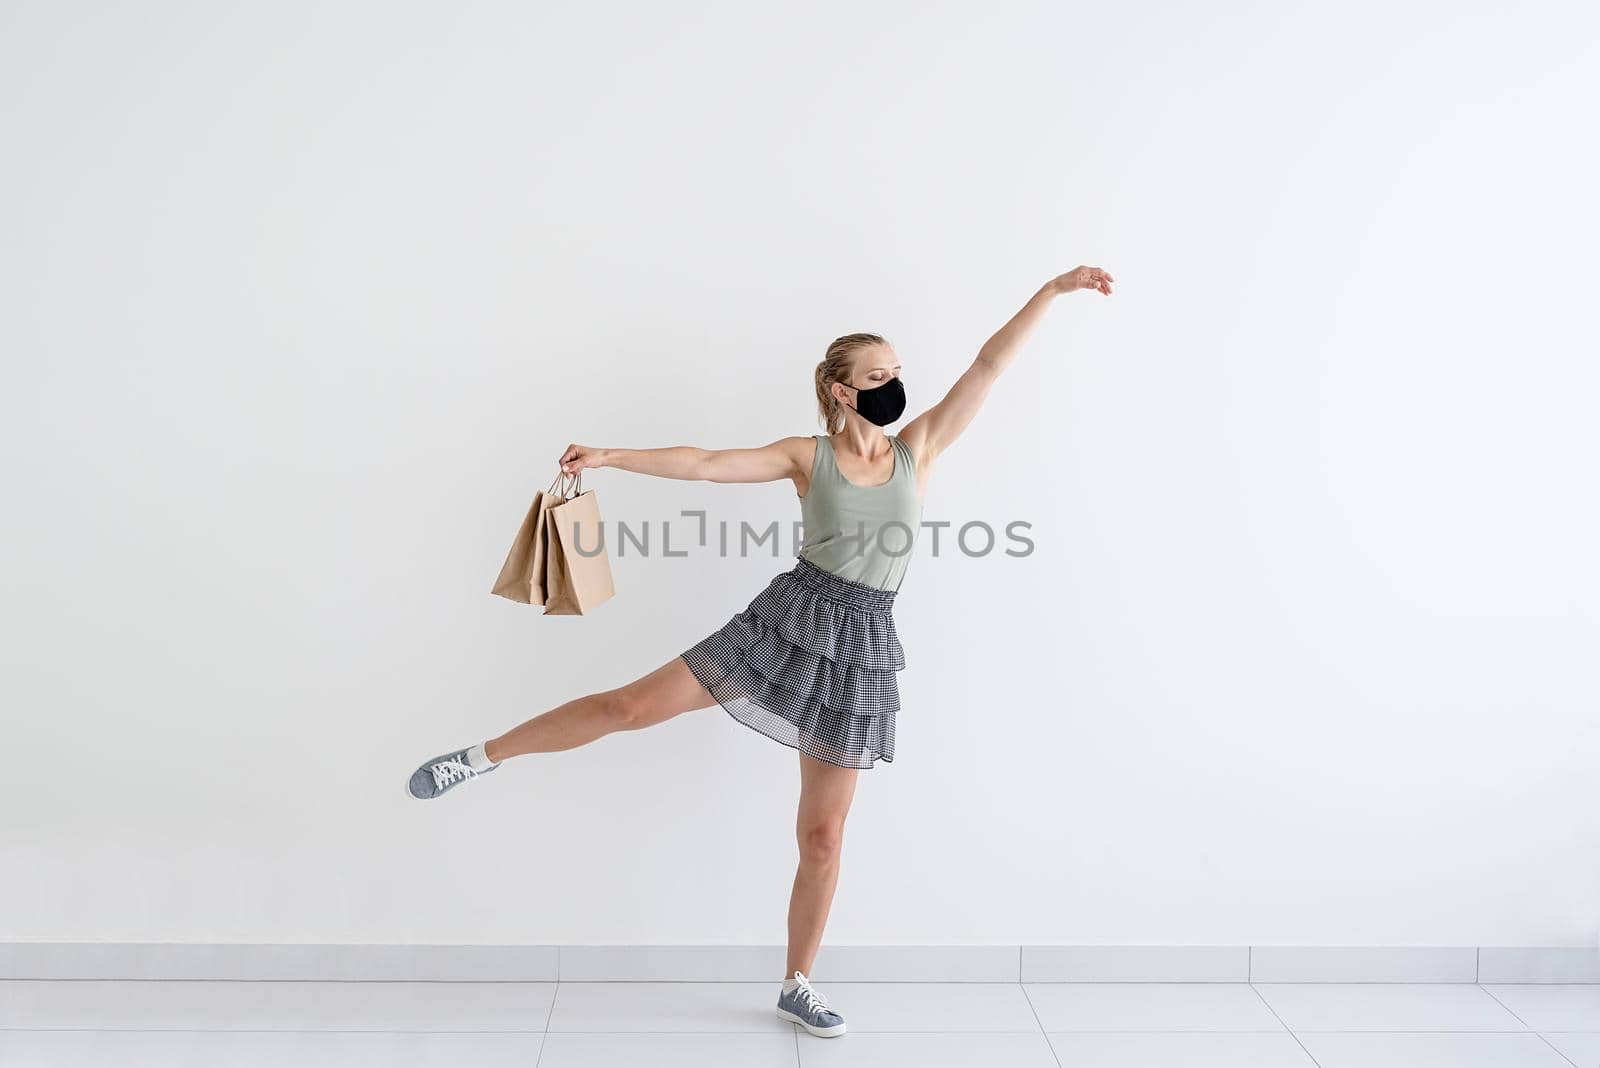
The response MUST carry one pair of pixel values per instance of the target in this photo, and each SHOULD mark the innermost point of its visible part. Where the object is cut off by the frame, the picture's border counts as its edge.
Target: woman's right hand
(1081, 278)
(578, 457)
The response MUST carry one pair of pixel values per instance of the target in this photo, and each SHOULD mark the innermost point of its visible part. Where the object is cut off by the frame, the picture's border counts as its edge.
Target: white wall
(302, 302)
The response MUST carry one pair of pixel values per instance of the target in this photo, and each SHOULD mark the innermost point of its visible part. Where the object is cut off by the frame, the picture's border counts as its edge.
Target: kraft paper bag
(575, 583)
(523, 575)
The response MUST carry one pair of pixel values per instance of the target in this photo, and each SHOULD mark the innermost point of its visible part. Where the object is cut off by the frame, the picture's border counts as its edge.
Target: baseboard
(969, 964)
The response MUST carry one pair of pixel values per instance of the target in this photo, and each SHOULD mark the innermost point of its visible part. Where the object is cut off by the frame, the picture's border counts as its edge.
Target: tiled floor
(723, 1025)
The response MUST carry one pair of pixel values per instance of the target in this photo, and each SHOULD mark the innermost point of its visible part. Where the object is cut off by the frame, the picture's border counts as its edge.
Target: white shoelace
(447, 771)
(815, 1001)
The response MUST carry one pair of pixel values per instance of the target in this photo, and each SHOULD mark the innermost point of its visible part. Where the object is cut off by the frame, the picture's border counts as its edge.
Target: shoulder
(801, 449)
(907, 449)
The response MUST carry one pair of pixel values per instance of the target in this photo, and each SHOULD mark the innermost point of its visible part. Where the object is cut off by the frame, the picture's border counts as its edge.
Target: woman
(811, 662)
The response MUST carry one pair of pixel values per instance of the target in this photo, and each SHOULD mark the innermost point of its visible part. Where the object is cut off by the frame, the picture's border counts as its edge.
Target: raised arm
(784, 458)
(932, 432)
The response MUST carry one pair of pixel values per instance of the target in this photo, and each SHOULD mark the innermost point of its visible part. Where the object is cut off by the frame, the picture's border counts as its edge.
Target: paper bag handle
(561, 476)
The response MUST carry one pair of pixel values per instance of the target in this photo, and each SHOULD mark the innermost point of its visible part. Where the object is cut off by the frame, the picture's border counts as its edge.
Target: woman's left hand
(1083, 278)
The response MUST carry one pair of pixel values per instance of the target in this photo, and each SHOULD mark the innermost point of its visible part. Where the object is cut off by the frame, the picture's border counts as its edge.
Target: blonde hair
(835, 367)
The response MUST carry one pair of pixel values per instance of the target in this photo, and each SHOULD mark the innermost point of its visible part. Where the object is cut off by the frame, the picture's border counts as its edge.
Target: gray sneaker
(809, 1009)
(443, 773)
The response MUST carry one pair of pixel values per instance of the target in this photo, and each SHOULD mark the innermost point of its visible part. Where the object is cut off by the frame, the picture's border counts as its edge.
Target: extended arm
(931, 433)
(766, 463)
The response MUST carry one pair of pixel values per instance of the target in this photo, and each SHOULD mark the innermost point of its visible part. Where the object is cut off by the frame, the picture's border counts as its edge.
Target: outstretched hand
(1083, 278)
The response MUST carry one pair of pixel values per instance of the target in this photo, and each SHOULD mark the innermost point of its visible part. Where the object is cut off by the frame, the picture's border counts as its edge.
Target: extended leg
(669, 690)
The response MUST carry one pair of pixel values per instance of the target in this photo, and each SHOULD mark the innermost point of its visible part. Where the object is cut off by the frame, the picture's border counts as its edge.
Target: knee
(820, 842)
(624, 709)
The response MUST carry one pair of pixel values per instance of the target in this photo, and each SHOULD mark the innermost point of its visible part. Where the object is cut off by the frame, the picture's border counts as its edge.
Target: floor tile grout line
(1050, 1045)
(551, 981)
(793, 1028)
(1503, 1005)
(544, 1040)
(554, 994)
(1557, 1052)
(743, 1034)
(1263, 999)
(1525, 1023)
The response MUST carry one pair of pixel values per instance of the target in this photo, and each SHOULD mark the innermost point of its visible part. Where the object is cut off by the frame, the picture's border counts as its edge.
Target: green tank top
(862, 533)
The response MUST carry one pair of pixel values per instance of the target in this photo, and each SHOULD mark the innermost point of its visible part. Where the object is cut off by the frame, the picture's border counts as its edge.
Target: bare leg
(825, 794)
(669, 690)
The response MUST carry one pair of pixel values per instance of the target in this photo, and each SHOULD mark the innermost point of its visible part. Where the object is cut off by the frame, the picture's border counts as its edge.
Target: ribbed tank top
(862, 533)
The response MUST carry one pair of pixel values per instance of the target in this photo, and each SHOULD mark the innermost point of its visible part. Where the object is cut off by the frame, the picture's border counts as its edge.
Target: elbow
(702, 466)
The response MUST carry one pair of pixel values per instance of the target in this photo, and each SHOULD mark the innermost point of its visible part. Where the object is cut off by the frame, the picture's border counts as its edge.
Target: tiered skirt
(810, 663)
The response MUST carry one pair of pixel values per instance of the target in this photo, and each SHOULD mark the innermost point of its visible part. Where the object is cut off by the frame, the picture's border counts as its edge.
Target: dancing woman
(812, 661)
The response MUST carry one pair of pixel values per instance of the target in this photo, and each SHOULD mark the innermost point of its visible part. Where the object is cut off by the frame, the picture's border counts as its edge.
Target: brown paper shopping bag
(523, 575)
(578, 570)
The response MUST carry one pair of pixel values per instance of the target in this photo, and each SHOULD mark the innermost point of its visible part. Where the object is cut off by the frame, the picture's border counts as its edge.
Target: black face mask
(880, 405)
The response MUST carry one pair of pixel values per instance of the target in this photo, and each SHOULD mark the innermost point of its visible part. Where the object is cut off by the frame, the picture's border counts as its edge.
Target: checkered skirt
(810, 663)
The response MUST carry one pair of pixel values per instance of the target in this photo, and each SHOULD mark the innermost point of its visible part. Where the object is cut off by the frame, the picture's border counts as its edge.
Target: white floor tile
(669, 1051)
(926, 1050)
(1387, 1007)
(713, 1008)
(1190, 1049)
(1380, 1050)
(201, 1005)
(1552, 1006)
(881, 1007)
(265, 1049)
(1150, 1007)
(1581, 1049)
(182, 1023)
